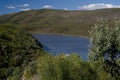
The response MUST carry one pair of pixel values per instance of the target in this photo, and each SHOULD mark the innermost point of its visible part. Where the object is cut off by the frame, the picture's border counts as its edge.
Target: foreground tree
(105, 49)
(17, 49)
(64, 67)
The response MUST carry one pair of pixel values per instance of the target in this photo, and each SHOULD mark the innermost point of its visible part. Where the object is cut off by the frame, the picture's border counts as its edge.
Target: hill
(60, 21)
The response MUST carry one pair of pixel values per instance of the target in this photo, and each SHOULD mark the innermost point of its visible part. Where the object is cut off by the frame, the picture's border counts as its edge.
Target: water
(56, 44)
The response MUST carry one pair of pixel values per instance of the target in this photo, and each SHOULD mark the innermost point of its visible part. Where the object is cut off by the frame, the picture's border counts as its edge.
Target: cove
(56, 44)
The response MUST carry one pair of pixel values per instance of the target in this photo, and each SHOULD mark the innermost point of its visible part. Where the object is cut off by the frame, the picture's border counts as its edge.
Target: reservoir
(56, 44)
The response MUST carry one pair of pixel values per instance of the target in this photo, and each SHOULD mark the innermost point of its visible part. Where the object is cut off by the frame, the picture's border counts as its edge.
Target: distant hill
(60, 21)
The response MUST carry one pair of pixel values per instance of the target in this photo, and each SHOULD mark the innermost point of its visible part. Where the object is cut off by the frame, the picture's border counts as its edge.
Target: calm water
(56, 44)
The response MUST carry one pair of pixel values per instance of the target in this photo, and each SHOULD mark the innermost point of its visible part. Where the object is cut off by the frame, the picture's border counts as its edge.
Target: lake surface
(56, 44)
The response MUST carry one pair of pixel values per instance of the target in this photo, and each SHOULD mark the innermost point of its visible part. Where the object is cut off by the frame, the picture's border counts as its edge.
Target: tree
(105, 48)
(64, 67)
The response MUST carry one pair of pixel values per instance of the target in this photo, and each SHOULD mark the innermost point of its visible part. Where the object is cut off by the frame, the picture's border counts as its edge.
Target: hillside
(60, 21)
(17, 50)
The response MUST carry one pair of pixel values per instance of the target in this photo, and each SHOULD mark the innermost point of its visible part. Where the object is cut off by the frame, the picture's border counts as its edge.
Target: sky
(12, 6)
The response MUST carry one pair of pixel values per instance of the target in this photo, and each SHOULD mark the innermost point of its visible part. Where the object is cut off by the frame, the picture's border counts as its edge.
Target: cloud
(23, 5)
(10, 7)
(48, 7)
(97, 6)
(25, 9)
(65, 8)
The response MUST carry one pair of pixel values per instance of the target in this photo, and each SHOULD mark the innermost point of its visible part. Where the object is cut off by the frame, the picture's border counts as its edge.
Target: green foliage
(64, 67)
(105, 50)
(15, 74)
(30, 70)
(17, 49)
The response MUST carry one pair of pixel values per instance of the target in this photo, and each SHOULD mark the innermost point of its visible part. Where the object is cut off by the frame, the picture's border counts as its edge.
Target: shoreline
(61, 35)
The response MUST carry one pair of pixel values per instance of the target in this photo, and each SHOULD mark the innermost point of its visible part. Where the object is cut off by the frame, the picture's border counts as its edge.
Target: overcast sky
(11, 6)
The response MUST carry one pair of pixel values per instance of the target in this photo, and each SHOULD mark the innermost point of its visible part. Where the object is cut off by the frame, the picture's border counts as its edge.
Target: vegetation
(61, 67)
(22, 57)
(60, 21)
(17, 49)
(105, 50)
(103, 63)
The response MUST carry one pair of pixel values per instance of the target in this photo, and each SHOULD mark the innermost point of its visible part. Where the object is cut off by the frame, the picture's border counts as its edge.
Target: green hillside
(17, 50)
(60, 21)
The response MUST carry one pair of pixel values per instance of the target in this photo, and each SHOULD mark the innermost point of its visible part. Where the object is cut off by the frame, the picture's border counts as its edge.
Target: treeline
(21, 58)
